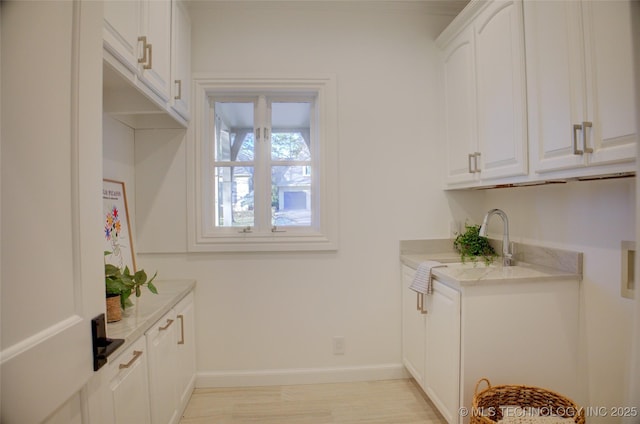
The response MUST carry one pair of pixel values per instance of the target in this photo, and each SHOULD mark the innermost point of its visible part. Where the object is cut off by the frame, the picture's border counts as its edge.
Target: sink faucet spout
(507, 256)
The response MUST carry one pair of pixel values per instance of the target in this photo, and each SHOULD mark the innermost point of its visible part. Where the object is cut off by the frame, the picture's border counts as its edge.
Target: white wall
(277, 313)
(634, 388)
(590, 217)
(118, 160)
(264, 317)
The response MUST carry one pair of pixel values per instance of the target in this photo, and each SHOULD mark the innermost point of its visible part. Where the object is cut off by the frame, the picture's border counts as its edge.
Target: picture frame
(116, 231)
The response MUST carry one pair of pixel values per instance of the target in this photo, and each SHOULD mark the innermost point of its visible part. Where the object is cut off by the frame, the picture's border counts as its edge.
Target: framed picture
(117, 229)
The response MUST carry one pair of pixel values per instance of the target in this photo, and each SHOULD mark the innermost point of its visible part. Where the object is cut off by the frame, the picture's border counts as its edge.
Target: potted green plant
(120, 284)
(471, 246)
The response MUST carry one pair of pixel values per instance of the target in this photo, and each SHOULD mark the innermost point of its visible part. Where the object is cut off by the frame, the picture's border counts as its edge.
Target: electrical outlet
(339, 346)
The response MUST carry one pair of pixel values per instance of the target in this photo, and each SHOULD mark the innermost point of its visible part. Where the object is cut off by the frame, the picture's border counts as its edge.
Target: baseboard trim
(300, 376)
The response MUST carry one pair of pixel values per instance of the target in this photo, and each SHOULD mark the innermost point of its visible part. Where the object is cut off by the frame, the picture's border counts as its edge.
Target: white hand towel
(422, 282)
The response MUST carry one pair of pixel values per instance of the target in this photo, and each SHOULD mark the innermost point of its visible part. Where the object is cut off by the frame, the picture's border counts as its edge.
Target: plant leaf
(140, 277)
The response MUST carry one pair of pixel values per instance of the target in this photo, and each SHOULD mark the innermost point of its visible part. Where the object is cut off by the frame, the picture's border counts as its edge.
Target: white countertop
(455, 274)
(148, 309)
(547, 265)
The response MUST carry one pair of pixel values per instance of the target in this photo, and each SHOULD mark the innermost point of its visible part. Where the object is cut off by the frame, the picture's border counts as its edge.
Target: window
(265, 159)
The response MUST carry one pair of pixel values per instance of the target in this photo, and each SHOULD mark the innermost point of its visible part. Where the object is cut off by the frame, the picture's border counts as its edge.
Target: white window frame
(323, 233)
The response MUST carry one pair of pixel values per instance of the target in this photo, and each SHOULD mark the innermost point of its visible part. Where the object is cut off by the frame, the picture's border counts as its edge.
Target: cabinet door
(555, 79)
(580, 70)
(501, 111)
(181, 58)
(413, 329)
(161, 344)
(156, 27)
(121, 30)
(129, 386)
(460, 111)
(186, 363)
(610, 81)
(442, 358)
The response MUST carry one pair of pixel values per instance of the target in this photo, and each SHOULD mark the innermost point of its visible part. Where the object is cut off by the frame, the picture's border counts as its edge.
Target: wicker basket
(486, 404)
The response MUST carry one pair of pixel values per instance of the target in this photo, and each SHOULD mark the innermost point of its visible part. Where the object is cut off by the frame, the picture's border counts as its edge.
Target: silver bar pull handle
(143, 59)
(422, 310)
(576, 151)
(169, 322)
(419, 304)
(257, 136)
(471, 156)
(179, 96)
(476, 155)
(150, 64)
(586, 125)
(181, 318)
(136, 355)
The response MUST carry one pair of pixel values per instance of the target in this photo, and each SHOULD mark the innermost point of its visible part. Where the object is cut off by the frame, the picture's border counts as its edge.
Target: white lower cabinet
(186, 355)
(442, 349)
(162, 347)
(129, 386)
(413, 328)
(151, 380)
(172, 366)
(520, 332)
(431, 342)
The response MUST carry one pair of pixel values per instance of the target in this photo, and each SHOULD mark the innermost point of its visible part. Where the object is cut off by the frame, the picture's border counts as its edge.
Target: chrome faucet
(507, 255)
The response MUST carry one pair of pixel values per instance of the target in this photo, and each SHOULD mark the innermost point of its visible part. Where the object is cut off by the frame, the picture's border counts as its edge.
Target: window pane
(290, 134)
(234, 131)
(234, 196)
(291, 195)
(289, 146)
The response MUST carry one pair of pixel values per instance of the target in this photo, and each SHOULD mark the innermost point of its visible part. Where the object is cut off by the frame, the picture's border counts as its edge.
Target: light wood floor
(375, 402)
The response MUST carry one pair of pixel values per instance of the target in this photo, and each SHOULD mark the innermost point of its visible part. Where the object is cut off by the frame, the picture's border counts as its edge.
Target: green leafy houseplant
(123, 283)
(472, 245)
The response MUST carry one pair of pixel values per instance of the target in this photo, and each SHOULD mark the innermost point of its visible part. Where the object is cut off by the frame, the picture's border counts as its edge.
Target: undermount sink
(479, 271)
(472, 265)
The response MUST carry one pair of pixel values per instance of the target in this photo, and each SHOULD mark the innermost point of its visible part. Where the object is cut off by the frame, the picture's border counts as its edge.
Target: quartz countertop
(533, 264)
(148, 309)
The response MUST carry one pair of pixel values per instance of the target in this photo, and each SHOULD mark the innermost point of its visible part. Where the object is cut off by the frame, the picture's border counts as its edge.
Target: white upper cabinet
(156, 31)
(181, 59)
(460, 108)
(580, 86)
(147, 45)
(485, 94)
(121, 31)
(501, 98)
(567, 111)
(138, 35)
